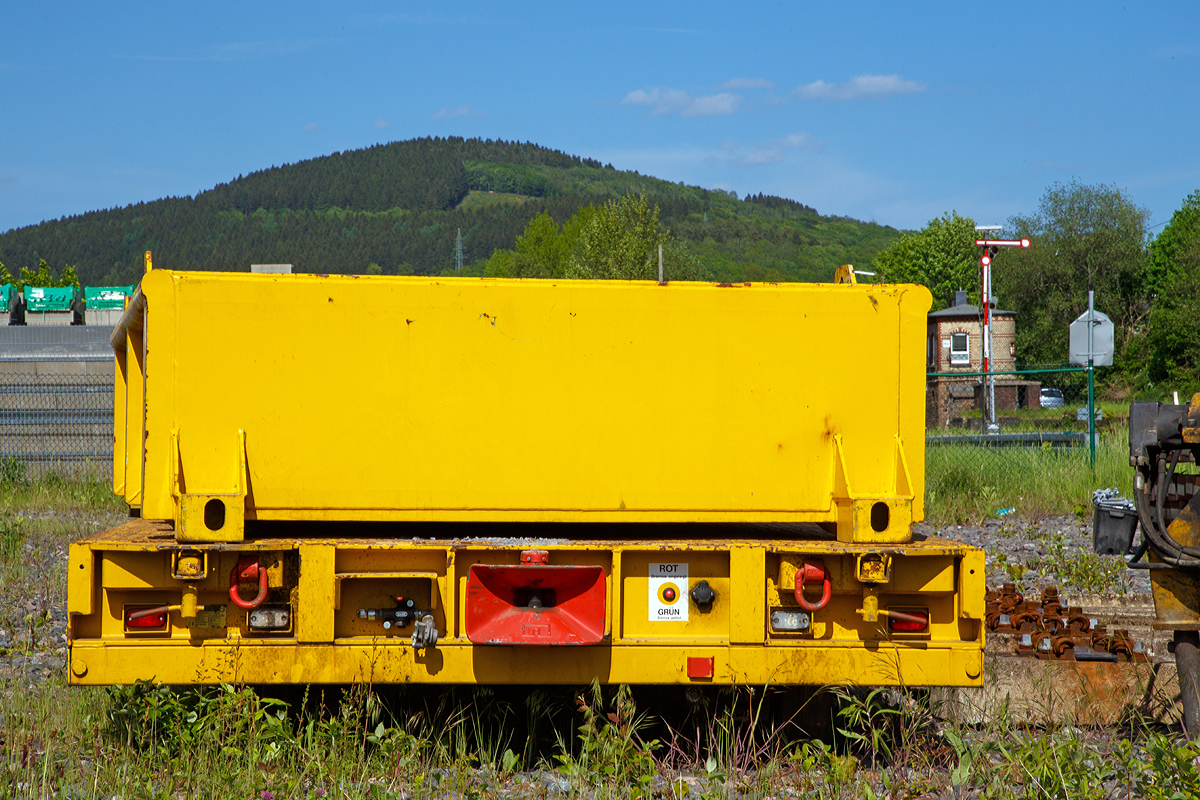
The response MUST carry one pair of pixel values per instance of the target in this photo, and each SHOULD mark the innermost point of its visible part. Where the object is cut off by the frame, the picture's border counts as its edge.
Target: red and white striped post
(990, 247)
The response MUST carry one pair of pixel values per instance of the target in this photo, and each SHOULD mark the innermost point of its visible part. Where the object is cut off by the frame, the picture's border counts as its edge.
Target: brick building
(954, 344)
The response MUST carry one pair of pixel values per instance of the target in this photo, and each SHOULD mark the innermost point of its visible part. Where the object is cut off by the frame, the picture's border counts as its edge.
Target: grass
(969, 483)
(150, 741)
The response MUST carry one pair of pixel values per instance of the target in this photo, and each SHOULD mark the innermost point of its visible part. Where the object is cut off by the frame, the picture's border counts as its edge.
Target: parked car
(1052, 398)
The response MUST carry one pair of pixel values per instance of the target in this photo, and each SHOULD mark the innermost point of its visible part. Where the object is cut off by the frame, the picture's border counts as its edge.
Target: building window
(960, 349)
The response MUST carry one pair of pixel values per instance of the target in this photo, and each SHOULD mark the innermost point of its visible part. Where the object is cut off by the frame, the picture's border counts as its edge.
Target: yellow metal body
(325, 580)
(304, 397)
(365, 439)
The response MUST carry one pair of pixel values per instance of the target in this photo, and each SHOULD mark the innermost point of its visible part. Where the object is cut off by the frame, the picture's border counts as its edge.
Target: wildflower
(267, 795)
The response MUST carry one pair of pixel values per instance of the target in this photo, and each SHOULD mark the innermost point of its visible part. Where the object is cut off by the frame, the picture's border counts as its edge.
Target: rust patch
(826, 429)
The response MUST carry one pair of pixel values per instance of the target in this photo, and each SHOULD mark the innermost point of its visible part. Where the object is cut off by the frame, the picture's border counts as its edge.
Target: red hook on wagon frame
(813, 572)
(247, 570)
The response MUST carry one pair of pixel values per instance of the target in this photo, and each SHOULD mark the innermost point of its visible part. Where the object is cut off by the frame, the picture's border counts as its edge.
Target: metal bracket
(209, 516)
(872, 518)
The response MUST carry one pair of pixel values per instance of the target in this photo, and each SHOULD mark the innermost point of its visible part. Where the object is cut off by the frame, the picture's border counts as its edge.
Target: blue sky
(892, 112)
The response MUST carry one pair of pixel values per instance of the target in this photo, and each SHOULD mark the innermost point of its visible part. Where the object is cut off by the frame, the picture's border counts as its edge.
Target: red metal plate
(533, 604)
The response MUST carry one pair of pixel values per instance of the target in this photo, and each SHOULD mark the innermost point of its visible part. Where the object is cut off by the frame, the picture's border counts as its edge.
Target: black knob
(703, 596)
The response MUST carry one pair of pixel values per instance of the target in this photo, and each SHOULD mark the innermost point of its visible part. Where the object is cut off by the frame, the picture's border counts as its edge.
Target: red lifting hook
(813, 572)
(248, 571)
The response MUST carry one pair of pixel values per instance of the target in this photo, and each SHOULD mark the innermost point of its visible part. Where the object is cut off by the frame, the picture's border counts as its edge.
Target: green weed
(1084, 570)
(12, 537)
(610, 753)
(12, 471)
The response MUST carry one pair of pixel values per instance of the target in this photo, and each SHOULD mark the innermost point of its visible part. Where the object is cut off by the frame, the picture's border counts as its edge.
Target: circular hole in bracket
(880, 517)
(214, 514)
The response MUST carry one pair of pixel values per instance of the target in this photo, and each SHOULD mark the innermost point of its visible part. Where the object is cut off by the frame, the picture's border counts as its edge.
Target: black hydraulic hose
(1137, 554)
(1171, 553)
(1163, 482)
(1150, 535)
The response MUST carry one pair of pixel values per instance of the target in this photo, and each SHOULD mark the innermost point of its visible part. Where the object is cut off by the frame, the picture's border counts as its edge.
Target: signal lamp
(914, 621)
(137, 618)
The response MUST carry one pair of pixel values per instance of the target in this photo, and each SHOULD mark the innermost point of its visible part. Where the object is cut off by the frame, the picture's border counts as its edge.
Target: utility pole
(1092, 377)
(458, 254)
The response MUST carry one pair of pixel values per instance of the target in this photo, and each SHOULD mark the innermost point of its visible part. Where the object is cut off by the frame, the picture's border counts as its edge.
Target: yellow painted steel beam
(276, 662)
(323, 580)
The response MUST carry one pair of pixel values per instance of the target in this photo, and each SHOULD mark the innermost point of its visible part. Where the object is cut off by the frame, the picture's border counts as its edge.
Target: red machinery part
(247, 571)
(146, 618)
(813, 572)
(534, 603)
(908, 621)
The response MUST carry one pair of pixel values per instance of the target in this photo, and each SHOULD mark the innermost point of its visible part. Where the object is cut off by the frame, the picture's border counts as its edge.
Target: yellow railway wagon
(338, 479)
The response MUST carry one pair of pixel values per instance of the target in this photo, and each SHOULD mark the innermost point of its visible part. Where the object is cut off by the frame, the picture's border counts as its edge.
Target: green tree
(1174, 339)
(68, 278)
(5, 276)
(542, 250)
(620, 241)
(1172, 245)
(43, 277)
(942, 256)
(1084, 237)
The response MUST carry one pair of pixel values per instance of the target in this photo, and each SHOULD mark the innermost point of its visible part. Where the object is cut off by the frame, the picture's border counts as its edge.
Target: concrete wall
(107, 317)
(49, 318)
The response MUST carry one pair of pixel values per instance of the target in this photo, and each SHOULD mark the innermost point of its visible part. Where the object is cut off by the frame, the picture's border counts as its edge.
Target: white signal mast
(990, 248)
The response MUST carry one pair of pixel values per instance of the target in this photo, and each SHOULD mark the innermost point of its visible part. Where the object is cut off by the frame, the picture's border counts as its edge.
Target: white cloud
(676, 101)
(747, 83)
(450, 113)
(381, 123)
(756, 153)
(312, 126)
(855, 88)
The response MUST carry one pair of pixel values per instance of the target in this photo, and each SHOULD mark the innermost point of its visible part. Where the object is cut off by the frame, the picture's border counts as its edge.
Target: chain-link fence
(56, 401)
(997, 442)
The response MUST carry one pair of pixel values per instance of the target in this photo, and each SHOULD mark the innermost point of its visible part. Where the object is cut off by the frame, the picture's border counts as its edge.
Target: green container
(7, 291)
(106, 296)
(43, 298)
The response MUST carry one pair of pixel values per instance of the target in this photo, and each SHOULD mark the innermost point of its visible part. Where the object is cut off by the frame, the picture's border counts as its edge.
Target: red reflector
(908, 621)
(700, 667)
(156, 620)
(535, 604)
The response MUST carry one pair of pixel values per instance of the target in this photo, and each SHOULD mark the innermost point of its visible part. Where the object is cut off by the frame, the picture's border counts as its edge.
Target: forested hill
(397, 209)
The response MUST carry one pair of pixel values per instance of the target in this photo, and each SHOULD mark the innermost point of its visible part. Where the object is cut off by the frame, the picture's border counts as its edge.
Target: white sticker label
(668, 592)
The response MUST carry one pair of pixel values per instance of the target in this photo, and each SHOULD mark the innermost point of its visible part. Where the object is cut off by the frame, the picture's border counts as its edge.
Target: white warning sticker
(668, 592)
